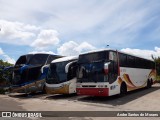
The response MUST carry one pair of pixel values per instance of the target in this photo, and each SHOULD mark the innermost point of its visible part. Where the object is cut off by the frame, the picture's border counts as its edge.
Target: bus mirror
(106, 68)
(67, 67)
(44, 67)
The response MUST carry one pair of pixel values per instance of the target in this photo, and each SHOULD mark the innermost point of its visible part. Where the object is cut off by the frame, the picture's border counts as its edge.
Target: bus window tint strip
(93, 57)
(135, 62)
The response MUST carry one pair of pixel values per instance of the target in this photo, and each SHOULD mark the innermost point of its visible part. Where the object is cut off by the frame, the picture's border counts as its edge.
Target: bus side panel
(33, 86)
(72, 86)
(134, 77)
(114, 88)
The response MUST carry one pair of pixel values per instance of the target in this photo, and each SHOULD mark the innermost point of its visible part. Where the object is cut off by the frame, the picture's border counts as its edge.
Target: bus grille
(89, 86)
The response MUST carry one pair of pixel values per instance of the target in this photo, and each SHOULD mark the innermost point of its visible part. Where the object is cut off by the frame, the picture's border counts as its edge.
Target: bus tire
(123, 89)
(44, 90)
(149, 83)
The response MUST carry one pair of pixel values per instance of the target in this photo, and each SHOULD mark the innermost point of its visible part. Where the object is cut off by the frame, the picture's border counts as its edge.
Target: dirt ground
(139, 100)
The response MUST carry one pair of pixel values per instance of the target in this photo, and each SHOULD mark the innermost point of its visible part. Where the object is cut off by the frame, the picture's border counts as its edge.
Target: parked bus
(30, 71)
(61, 78)
(110, 72)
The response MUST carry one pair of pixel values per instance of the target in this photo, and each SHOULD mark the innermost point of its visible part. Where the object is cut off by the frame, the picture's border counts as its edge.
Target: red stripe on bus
(93, 91)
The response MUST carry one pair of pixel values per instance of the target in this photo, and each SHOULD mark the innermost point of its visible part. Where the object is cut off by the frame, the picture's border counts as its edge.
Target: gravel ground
(139, 100)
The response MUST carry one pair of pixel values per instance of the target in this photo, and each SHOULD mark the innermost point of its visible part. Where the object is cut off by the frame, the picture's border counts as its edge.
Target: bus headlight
(102, 86)
(78, 85)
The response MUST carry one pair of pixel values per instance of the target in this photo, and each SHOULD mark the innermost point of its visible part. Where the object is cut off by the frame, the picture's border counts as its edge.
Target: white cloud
(45, 39)
(84, 47)
(68, 49)
(25, 34)
(1, 51)
(6, 57)
(9, 59)
(73, 48)
(17, 32)
(143, 53)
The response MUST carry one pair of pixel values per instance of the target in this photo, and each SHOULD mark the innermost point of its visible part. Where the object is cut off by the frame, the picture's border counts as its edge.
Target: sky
(71, 27)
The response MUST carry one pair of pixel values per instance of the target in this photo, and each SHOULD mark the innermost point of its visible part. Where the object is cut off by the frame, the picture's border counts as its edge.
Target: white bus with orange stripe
(61, 78)
(110, 72)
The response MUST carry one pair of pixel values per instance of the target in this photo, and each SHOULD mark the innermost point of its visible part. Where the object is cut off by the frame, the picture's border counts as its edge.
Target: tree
(5, 73)
(157, 62)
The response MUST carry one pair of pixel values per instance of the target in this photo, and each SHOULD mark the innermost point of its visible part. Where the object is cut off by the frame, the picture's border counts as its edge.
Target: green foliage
(5, 74)
(158, 79)
(5, 64)
(157, 61)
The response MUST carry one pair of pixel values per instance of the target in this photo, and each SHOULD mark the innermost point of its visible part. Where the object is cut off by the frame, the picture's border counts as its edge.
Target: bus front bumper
(61, 90)
(18, 89)
(93, 91)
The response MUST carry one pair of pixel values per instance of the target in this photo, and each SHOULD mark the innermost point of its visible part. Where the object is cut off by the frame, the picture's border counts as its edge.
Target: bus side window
(50, 59)
(123, 60)
(22, 60)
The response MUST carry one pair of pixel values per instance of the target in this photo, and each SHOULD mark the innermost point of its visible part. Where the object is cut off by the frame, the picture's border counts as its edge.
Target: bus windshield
(38, 59)
(91, 67)
(91, 72)
(23, 59)
(56, 73)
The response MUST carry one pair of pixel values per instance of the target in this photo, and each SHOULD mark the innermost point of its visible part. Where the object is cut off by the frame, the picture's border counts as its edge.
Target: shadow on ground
(120, 100)
(59, 96)
(112, 100)
(27, 96)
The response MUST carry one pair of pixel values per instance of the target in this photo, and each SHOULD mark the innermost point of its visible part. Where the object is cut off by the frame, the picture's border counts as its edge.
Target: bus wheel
(44, 89)
(149, 83)
(123, 89)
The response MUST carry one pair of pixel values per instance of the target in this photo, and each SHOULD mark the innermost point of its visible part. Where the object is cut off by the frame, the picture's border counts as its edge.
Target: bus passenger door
(71, 76)
(113, 72)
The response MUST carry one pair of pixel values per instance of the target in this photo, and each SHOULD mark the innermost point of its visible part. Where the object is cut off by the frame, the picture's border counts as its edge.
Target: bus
(61, 77)
(29, 72)
(109, 72)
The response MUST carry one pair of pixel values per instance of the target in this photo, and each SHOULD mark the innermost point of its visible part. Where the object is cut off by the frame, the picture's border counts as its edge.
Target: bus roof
(65, 59)
(108, 49)
(40, 53)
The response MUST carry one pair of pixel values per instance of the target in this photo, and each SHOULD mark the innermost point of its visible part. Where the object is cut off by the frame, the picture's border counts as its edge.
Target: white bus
(61, 78)
(110, 72)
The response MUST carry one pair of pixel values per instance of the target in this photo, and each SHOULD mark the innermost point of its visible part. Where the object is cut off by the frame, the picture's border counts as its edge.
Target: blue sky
(70, 27)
